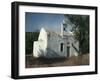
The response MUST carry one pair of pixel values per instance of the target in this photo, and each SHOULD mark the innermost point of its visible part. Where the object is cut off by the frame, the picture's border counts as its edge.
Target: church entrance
(68, 51)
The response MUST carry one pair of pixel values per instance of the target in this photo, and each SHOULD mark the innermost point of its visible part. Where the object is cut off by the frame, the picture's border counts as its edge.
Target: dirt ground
(32, 62)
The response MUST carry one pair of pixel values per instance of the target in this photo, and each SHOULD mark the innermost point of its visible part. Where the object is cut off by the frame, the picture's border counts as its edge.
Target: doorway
(68, 51)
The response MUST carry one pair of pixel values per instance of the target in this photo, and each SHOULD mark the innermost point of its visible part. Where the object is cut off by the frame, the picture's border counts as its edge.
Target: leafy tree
(80, 28)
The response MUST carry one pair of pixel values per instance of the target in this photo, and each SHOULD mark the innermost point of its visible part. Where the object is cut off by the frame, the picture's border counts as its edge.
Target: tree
(80, 29)
(30, 37)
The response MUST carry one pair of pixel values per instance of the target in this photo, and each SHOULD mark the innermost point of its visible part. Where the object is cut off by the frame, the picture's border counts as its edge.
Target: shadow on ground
(32, 62)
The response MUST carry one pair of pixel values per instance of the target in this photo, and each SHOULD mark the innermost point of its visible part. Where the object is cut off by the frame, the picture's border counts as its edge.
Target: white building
(51, 44)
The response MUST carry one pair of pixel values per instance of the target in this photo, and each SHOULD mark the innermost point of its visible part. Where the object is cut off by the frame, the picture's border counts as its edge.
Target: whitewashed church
(52, 44)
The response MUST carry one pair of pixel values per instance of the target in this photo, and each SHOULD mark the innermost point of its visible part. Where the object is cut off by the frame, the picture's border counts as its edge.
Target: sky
(35, 21)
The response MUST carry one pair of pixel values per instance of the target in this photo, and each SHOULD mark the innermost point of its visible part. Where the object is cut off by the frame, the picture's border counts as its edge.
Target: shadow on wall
(48, 54)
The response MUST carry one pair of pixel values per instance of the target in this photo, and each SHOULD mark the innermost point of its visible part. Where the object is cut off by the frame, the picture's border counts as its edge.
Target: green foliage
(30, 37)
(80, 28)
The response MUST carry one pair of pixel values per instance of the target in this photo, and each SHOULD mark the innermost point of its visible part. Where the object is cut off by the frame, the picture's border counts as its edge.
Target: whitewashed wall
(54, 42)
(39, 48)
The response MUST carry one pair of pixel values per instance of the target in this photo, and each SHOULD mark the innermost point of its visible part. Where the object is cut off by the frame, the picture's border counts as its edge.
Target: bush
(30, 37)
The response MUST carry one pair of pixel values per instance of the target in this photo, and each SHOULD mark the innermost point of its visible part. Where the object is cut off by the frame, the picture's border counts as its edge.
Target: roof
(49, 31)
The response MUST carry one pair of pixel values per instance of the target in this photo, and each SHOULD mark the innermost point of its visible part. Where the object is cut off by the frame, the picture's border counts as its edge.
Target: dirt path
(42, 62)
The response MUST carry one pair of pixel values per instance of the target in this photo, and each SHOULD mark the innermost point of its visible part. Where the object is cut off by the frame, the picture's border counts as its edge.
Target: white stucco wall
(36, 52)
(39, 48)
(43, 39)
(54, 42)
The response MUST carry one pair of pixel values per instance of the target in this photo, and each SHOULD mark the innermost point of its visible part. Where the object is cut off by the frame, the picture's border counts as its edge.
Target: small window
(68, 43)
(61, 47)
(64, 29)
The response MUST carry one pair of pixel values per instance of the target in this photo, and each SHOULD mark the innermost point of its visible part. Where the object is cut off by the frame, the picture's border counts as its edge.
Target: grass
(32, 62)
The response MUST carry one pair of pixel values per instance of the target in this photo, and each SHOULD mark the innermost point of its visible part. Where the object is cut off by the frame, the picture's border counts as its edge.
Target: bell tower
(64, 29)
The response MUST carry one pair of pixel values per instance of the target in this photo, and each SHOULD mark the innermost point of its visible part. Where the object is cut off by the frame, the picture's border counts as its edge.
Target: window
(68, 43)
(64, 29)
(61, 47)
